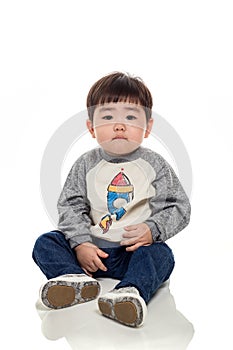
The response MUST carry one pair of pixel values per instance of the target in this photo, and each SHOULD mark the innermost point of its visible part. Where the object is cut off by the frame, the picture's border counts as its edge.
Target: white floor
(193, 312)
(165, 327)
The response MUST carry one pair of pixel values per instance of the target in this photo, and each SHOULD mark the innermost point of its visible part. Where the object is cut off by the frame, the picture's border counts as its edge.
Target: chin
(120, 150)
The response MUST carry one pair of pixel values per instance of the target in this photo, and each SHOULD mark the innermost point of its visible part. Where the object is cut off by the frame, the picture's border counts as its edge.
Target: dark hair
(119, 87)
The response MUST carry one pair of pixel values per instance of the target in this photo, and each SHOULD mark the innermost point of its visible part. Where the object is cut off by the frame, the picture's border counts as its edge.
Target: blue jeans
(146, 268)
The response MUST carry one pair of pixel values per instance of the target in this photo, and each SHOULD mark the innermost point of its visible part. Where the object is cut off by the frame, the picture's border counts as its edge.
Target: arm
(170, 210)
(75, 221)
(73, 207)
(170, 206)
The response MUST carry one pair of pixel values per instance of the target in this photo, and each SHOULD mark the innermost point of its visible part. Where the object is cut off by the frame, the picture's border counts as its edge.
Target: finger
(134, 247)
(129, 241)
(101, 253)
(91, 267)
(87, 272)
(129, 234)
(100, 265)
(125, 241)
(95, 265)
(130, 227)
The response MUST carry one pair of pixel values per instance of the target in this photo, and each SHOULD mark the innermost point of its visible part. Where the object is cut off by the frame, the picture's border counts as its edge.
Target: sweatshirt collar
(120, 158)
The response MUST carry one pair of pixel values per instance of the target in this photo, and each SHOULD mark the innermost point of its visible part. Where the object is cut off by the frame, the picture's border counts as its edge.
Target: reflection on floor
(84, 327)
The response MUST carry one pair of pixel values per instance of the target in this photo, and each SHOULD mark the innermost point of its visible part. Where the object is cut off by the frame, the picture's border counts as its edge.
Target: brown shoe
(124, 305)
(68, 290)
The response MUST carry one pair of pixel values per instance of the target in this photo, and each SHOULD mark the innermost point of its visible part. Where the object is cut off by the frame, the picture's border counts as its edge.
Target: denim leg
(148, 268)
(117, 263)
(53, 255)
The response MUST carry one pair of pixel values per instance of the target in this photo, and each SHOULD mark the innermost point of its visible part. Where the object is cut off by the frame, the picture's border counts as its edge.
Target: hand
(89, 256)
(138, 235)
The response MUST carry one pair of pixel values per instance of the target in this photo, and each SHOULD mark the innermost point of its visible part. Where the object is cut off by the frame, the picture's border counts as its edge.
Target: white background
(51, 53)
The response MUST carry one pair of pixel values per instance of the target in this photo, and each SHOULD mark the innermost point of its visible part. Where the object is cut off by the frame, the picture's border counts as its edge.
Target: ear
(90, 127)
(149, 127)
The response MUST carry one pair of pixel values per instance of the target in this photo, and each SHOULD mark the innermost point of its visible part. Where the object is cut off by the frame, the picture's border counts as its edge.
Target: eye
(107, 117)
(131, 117)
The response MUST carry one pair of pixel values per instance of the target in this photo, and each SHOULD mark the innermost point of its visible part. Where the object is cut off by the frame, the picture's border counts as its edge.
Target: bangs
(119, 87)
(119, 98)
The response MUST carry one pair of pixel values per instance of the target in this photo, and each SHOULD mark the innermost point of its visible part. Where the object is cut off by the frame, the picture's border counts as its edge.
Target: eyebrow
(104, 109)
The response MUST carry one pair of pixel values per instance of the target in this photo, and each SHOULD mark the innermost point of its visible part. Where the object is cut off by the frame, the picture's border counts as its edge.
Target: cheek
(136, 134)
(102, 133)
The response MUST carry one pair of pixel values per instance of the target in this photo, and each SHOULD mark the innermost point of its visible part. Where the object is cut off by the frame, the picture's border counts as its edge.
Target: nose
(119, 127)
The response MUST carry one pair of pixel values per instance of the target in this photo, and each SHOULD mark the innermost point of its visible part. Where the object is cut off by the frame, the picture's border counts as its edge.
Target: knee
(159, 250)
(166, 252)
(39, 243)
(44, 240)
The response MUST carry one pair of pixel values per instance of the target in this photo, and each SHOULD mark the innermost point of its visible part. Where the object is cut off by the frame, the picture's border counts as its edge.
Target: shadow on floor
(84, 327)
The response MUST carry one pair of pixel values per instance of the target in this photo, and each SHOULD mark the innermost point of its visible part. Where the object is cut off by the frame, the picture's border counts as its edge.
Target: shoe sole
(122, 311)
(60, 295)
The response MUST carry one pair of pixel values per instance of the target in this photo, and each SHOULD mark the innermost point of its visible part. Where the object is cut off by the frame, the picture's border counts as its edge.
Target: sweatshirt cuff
(154, 231)
(77, 240)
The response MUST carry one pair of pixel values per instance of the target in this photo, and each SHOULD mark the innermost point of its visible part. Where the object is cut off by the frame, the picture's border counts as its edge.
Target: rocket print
(120, 193)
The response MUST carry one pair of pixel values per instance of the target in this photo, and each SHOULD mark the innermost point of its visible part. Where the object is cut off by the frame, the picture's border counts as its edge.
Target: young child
(119, 204)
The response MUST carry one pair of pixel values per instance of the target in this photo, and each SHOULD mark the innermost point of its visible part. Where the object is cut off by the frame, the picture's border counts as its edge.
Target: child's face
(119, 127)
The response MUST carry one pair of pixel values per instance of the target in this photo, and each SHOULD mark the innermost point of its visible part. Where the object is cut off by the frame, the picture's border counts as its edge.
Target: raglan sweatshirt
(104, 193)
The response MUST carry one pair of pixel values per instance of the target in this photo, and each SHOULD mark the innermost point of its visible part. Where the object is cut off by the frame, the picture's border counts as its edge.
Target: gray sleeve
(73, 207)
(170, 206)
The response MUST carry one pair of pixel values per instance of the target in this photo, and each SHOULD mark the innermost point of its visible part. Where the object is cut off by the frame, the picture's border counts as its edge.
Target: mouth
(119, 138)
